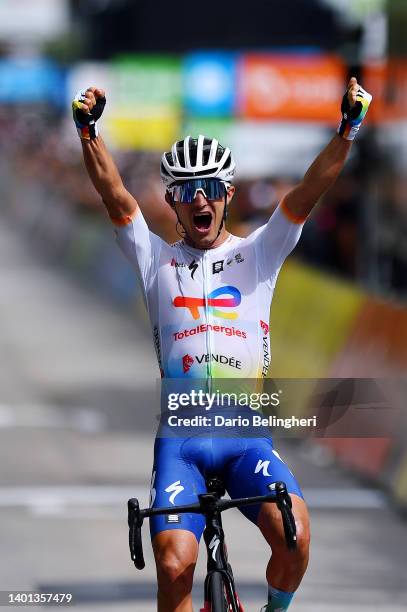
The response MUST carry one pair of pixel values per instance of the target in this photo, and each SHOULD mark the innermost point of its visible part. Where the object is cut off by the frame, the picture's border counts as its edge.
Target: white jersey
(209, 309)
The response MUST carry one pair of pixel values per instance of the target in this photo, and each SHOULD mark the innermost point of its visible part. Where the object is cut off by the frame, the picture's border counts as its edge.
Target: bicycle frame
(217, 560)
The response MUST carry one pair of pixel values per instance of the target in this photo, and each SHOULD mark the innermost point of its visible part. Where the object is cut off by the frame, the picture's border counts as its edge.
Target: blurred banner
(210, 84)
(321, 325)
(144, 99)
(295, 87)
(147, 104)
(242, 99)
(348, 333)
(387, 81)
(30, 81)
(291, 87)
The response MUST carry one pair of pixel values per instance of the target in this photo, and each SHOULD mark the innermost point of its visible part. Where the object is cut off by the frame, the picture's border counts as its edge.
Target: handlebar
(208, 505)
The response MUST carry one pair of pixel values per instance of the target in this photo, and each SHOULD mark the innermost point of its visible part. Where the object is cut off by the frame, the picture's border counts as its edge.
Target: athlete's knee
(175, 563)
(272, 528)
(173, 572)
(300, 554)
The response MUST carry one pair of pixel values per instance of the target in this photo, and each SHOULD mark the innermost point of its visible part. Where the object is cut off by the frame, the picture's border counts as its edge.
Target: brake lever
(284, 504)
(135, 522)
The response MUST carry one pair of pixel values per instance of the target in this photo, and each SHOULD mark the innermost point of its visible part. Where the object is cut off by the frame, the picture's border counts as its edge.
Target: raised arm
(107, 181)
(103, 172)
(327, 166)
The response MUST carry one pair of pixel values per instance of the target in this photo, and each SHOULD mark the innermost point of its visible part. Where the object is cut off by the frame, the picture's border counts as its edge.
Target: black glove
(86, 121)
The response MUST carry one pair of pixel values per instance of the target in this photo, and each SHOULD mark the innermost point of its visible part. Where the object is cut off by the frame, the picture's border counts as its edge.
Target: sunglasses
(212, 189)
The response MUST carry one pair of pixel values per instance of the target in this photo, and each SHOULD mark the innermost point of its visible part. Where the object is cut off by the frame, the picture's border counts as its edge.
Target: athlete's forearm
(320, 176)
(106, 179)
(326, 168)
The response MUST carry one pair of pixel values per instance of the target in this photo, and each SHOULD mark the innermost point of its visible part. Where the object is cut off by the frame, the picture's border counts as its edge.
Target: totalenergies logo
(223, 297)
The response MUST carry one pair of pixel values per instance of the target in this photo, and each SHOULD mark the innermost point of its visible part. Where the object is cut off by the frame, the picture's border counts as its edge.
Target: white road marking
(68, 496)
(46, 417)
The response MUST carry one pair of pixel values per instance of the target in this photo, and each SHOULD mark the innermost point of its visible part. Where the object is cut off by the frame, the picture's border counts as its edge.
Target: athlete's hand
(355, 104)
(87, 108)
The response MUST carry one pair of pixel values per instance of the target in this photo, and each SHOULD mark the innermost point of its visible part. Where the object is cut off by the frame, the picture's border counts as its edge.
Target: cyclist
(208, 297)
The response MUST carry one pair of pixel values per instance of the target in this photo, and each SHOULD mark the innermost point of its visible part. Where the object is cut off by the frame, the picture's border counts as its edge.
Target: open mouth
(202, 221)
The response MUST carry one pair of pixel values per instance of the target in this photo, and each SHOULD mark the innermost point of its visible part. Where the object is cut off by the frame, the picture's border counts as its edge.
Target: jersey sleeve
(141, 247)
(276, 240)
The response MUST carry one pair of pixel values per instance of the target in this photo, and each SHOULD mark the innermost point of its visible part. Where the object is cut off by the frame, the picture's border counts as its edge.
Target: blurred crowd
(356, 232)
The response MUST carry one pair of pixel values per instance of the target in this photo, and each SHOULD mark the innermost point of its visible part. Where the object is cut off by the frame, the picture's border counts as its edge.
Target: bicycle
(220, 594)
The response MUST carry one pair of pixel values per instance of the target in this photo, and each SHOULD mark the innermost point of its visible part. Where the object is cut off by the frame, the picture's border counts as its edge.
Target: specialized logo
(264, 327)
(193, 266)
(175, 488)
(262, 466)
(214, 545)
(187, 362)
(213, 302)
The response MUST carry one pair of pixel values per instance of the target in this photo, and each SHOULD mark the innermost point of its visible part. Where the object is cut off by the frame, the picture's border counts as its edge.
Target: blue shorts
(181, 466)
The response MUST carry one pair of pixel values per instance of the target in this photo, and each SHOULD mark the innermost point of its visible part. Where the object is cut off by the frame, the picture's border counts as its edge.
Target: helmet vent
(206, 151)
(219, 152)
(180, 152)
(193, 150)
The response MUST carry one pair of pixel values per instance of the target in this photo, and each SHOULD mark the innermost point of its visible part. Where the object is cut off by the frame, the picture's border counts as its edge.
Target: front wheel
(218, 598)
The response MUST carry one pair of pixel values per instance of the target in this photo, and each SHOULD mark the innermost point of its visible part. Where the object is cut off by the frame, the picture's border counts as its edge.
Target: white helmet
(194, 158)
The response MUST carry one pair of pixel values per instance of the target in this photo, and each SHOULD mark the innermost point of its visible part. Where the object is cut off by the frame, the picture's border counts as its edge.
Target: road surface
(76, 425)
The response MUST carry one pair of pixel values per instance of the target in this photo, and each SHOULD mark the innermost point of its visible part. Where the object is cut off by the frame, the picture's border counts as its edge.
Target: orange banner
(387, 82)
(303, 88)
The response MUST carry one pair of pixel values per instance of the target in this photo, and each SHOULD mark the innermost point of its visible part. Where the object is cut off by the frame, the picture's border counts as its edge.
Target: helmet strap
(224, 216)
(180, 234)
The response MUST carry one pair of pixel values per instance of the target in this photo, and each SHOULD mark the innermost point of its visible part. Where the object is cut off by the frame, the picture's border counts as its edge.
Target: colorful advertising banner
(143, 99)
(209, 83)
(291, 87)
(147, 85)
(30, 80)
(147, 102)
(387, 81)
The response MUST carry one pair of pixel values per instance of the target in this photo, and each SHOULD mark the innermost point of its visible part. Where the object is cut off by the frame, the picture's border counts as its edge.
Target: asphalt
(77, 382)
